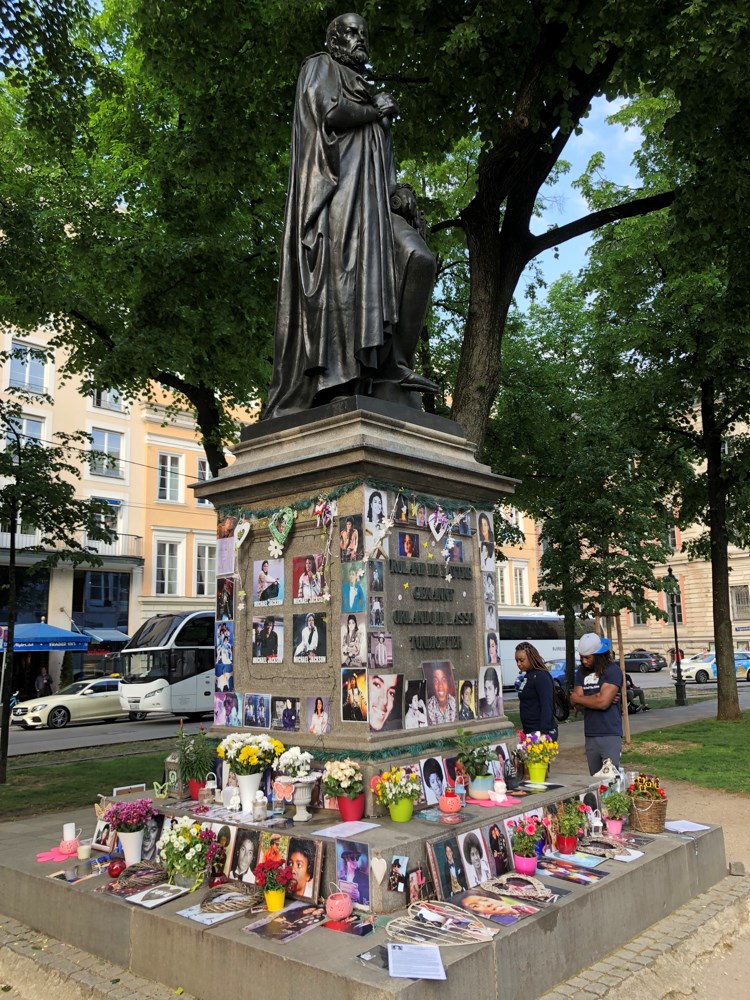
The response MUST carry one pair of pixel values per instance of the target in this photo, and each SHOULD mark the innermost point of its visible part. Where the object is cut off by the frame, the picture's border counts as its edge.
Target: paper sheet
(415, 961)
(683, 826)
(345, 831)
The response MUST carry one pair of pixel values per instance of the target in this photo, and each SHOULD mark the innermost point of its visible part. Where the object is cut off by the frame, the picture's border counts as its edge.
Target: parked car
(81, 701)
(643, 661)
(702, 669)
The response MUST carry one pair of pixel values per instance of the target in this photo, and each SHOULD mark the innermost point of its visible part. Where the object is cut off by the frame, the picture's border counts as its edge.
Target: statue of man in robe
(356, 275)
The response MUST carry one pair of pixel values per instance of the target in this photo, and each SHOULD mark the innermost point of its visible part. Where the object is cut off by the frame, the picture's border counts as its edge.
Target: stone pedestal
(384, 598)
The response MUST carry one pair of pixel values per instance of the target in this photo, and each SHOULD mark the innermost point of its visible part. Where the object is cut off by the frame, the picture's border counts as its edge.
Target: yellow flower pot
(275, 899)
(537, 772)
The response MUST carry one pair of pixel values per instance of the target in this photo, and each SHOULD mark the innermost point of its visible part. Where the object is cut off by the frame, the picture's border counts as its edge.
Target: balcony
(25, 538)
(123, 547)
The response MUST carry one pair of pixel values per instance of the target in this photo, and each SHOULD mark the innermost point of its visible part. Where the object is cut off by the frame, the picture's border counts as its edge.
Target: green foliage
(196, 754)
(475, 758)
(66, 670)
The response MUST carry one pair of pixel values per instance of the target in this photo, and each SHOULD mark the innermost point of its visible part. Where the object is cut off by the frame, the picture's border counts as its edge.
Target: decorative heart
(438, 523)
(378, 868)
(241, 532)
(280, 524)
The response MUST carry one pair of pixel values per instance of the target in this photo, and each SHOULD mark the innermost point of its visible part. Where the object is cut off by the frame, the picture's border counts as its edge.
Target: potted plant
(196, 758)
(475, 759)
(343, 779)
(538, 750)
(189, 852)
(570, 824)
(398, 789)
(648, 804)
(616, 806)
(525, 834)
(294, 764)
(129, 819)
(248, 755)
(274, 877)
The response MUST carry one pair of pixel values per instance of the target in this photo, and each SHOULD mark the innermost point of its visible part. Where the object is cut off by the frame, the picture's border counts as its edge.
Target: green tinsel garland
(415, 750)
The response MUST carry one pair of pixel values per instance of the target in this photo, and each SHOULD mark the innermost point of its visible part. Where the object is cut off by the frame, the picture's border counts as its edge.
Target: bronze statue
(356, 275)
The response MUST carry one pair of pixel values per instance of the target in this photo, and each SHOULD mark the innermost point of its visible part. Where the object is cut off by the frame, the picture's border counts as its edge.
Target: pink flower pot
(524, 866)
(352, 809)
(614, 826)
(566, 845)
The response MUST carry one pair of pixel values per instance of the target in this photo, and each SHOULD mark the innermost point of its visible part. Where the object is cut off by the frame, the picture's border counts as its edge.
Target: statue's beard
(341, 55)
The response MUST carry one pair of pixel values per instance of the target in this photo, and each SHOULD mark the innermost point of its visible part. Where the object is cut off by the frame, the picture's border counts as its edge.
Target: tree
(38, 490)
(562, 425)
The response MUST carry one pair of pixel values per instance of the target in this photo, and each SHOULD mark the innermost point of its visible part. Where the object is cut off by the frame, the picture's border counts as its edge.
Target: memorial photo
(309, 638)
(308, 579)
(385, 701)
(268, 575)
(353, 695)
(441, 691)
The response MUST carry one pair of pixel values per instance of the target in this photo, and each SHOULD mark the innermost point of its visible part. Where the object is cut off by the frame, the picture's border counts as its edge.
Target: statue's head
(347, 40)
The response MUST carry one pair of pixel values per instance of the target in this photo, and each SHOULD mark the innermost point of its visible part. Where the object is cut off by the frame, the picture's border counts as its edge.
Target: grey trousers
(598, 748)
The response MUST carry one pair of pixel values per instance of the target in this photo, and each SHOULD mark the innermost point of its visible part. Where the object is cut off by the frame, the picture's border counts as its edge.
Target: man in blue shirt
(598, 691)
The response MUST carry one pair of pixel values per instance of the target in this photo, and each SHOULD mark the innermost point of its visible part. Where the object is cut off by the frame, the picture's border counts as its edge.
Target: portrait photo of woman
(408, 544)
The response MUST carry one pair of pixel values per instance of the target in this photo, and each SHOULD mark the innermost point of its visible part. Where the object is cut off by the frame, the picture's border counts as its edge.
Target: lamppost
(679, 684)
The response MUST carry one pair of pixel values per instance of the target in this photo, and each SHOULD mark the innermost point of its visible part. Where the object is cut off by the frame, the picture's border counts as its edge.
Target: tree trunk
(728, 704)
(7, 685)
(570, 647)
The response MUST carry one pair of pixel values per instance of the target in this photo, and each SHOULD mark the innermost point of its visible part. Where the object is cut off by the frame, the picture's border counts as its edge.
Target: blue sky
(566, 204)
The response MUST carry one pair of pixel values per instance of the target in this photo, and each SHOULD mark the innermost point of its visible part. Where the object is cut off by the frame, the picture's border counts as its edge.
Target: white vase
(132, 846)
(249, 785)
(303, 788)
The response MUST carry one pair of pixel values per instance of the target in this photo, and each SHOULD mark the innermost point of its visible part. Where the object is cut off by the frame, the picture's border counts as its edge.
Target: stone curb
(34, 965)
(647, 967)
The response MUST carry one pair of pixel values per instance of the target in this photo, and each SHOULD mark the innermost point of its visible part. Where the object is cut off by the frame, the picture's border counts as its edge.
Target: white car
(82, 701)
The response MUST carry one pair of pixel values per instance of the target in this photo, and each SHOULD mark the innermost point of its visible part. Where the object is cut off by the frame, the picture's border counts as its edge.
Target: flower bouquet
(274, 876)
(525, 834)
(129, 817)
(189, 852)
(343, 779)
(536, 748)
(248, 753)
(648, 804)
(570, 823)
(398, 789)
(294, 763)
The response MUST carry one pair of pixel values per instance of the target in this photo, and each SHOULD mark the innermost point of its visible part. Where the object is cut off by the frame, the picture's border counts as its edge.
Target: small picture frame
(105, 837)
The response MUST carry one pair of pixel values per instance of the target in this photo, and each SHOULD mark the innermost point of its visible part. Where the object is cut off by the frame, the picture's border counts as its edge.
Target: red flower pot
(352, 809)
(194, 786)
(566, 845)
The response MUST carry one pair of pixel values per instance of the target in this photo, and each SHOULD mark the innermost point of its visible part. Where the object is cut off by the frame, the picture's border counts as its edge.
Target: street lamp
(679, 684)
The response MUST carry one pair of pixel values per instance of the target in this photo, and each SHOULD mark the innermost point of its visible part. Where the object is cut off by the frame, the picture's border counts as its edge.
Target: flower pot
(566, 845)
(248, 785)
(401, 811)
(352, 809)
(481, 786)
(524, 866)
(188, 881)
(303, 788)
(194, 787)
(614, 826)
(275, 899)
(537, 772)
(132, 846)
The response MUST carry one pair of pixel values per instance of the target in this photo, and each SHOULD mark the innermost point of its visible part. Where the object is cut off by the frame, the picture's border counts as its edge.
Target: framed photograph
(353, 588)
(401, 508)
(433, 779)
(308, 578)
(224, 673)
(306, 858)
(490, 618)
(353, 640)
(285, 713)
(488, 587)
(227, 708)
(500, 861)
(309, 637)
(225, 835)
(258, 710)
(485, 531)
(385, 700)
(268, 640)
(268, 582)
(456, 551)
(244, 856)
(225, 599)
(491, 702)
(474, 853)
(464, 525)
(467, 706)
(415, 705)
(423, 513)
(376, 522)
(353, 871)
(417, 885)
(487, 557)
(351, 542)
(441, 692)
(273, 846)
(398, 872)
(318, 717)
(353, 695)
(151, 834)
(408, 544)
(105, 837)
(447, 866)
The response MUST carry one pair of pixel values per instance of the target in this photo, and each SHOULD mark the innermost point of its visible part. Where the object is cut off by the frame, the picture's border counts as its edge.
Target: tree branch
(448, 224)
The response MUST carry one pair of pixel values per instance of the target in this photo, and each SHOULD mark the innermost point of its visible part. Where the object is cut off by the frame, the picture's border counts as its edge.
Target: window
(167, 560)
(740, 602)
(204, 474)
(514, 517)
(519, 584)
(169, 478)
(205, 569)
(502, 584)
(109, 443)
(672, 536)
(26, 368)
(29, 430)
(673, 599)
(107, 399)
(111, 516)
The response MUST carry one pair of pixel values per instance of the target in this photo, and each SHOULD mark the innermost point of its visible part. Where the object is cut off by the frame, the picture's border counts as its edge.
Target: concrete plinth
(222, 962)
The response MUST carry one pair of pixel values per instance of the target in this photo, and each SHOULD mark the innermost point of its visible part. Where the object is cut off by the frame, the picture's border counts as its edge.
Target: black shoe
(646, 708)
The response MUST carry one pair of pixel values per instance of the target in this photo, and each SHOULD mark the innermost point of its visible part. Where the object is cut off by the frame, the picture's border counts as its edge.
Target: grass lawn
(709, 753)
(31, 791)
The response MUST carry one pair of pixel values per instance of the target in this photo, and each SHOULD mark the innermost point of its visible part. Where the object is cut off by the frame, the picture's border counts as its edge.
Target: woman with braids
(536, 692)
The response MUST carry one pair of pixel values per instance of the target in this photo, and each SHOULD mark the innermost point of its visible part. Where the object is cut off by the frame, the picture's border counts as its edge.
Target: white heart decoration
(378, 868)
(437, 529)
(241, 532)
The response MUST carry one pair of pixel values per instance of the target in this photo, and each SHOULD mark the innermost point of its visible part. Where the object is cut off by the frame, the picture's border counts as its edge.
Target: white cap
(591, 643)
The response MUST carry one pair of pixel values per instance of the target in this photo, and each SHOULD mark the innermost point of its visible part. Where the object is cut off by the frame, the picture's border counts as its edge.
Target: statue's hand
(387, 107)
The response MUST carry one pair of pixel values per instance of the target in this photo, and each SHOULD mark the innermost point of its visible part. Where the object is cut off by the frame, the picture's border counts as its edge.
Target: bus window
(199, 631)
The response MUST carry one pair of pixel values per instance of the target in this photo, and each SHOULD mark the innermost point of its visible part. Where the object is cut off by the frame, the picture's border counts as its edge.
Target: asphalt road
(94, 734)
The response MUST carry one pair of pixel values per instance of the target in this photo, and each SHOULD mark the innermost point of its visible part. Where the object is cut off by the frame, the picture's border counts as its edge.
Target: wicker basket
(648, 815)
